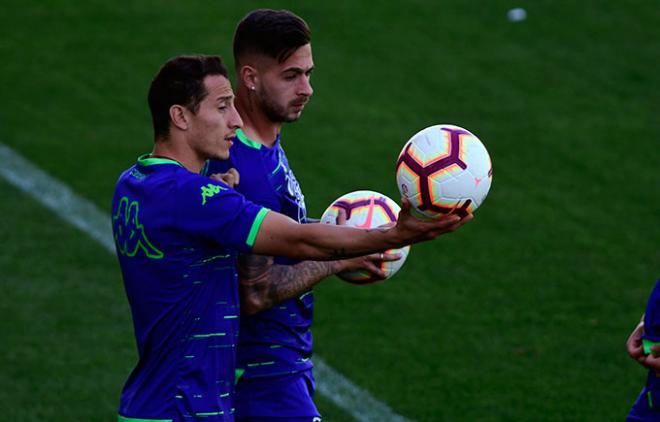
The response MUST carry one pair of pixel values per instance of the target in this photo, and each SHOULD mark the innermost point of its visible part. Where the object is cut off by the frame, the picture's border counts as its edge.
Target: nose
(306, 86)
(235, 121)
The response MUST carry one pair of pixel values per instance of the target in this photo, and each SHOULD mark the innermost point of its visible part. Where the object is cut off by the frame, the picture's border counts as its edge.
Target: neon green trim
(648, 344)
(247, 141)
(238, 373)
(252, 236)
(148, 160)
(648, 396)
(209, 335)
(121, 418)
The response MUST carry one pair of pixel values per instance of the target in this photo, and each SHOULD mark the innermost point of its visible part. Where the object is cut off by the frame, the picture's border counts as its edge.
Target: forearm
(263, 284)
(326, 242)
(281, 236)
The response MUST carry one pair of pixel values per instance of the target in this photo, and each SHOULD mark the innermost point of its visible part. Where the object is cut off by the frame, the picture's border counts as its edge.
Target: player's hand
(412, 229)
(652, 361)
(636, 350)
(231, 178)
(370, 263)
(634, 344)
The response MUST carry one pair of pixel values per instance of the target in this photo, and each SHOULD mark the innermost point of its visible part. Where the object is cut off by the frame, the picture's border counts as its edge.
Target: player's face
(214, 124)
(285, 87)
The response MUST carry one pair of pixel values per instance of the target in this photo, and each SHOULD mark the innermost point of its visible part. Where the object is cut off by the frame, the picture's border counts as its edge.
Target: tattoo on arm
(264, 284)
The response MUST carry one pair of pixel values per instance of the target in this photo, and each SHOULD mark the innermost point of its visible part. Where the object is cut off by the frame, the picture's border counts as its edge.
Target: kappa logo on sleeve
(129, 232)
(210, 190)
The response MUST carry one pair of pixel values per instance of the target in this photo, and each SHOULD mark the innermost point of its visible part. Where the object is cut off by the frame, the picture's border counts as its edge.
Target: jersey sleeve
(212, 210)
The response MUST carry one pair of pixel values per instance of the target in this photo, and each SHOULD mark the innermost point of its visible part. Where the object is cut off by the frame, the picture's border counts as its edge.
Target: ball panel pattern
(451, 168)
(367, 209)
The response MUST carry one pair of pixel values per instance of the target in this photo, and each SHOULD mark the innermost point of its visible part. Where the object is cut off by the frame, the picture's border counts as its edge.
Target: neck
(166, 148)
(256, 125)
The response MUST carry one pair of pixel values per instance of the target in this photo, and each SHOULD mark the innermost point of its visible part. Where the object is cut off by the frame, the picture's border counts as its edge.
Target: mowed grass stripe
(85, 216)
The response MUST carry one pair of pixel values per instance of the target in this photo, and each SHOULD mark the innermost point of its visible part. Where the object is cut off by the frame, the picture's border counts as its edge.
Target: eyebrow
(297, 69)
(225, 98)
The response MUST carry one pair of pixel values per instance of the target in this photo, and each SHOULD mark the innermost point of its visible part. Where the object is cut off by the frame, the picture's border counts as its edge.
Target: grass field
(522, 315)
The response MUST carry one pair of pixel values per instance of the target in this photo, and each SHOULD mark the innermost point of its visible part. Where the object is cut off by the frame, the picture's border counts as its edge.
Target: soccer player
(644, 346)
(274, 64)
(177, 234)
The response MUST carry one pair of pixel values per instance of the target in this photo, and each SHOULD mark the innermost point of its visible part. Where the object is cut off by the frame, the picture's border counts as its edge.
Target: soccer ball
(367, 209)
(444, 169)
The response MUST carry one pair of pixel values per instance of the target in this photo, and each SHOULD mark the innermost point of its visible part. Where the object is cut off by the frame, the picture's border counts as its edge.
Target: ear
(249, 77)
(178, 117)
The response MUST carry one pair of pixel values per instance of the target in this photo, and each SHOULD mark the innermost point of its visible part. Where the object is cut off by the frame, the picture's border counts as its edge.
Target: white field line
(86, 216)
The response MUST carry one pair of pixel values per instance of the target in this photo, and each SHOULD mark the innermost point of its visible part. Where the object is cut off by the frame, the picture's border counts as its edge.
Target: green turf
(66, 331)
(522, 315)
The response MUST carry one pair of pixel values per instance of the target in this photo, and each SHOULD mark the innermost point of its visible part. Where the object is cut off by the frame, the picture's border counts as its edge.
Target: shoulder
(126, 173)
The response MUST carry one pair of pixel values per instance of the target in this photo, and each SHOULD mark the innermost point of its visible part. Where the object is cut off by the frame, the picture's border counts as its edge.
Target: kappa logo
(129, 232)
(210, 190)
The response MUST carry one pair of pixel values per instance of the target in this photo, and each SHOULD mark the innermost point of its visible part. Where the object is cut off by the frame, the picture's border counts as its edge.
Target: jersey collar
(147, 160)
(242, 137)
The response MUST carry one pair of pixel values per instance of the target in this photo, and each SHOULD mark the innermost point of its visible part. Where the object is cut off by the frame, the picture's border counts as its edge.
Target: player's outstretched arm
(281, 236)
(264, 284)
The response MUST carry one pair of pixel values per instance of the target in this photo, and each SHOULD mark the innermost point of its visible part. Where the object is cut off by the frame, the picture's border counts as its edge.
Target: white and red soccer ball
(444, 169)
(367, 209)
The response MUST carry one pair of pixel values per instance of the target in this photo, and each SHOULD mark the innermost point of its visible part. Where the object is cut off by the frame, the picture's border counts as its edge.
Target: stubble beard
(275, 112)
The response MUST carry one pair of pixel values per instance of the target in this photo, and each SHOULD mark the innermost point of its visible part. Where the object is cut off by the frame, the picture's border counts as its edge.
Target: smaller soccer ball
(367, 209)
(444, 169)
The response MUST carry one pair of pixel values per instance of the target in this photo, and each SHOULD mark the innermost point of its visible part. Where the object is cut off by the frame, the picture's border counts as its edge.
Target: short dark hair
(180, 81)
(273, 33)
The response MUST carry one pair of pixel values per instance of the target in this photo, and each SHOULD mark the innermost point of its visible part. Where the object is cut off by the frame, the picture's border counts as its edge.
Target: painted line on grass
(87, 217)
(56, 196)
